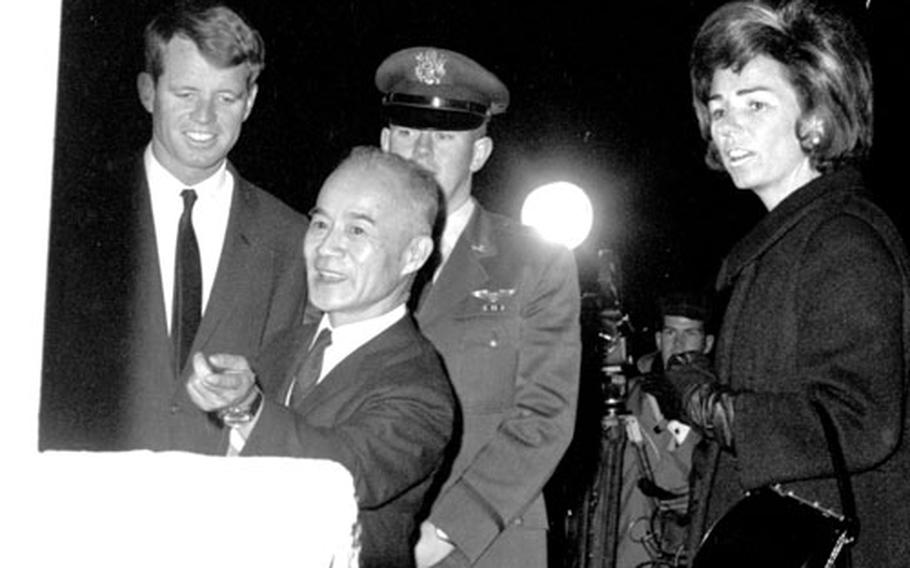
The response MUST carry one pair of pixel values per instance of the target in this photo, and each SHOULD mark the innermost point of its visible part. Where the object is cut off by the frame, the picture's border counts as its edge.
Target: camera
(608, 330)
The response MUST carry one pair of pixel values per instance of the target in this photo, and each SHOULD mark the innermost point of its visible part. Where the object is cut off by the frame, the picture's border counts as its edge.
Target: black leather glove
(706, 404)
(691, 362)
(710, 408)
(669, 399)
(684, 372)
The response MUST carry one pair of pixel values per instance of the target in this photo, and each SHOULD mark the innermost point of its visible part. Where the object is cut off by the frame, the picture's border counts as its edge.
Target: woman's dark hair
(826, 62)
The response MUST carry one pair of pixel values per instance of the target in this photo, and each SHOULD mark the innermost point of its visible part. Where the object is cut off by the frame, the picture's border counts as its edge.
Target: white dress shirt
(456, 221)
(210, 219)
(348, 338)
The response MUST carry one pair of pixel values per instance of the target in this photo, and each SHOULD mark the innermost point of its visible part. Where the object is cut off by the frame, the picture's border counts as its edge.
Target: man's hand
(219, 381)
(430, 549)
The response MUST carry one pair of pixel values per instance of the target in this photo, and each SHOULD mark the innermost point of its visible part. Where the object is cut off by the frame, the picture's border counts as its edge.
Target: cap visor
(417, 117)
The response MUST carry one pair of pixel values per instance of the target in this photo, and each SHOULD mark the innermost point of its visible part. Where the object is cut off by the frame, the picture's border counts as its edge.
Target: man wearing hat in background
(658, 458)
(683, 325)
(502, 306)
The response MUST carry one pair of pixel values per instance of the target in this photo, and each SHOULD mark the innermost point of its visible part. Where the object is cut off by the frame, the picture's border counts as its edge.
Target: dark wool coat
(819, 298)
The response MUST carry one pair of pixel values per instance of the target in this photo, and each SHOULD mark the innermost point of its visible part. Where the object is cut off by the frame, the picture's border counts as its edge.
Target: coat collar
(793, 209)
(478, 234)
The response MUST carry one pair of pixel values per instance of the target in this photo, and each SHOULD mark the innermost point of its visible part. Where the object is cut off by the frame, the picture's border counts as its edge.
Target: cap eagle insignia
(430, 68)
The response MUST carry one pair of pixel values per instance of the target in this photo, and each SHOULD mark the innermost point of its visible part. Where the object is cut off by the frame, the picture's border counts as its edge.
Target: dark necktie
(187, 305)
(309, 371)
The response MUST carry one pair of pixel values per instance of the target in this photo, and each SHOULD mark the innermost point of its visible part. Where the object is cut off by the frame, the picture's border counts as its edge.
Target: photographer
(657, 459)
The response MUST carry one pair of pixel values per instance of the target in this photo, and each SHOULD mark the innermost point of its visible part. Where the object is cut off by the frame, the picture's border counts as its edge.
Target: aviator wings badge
(493, 298)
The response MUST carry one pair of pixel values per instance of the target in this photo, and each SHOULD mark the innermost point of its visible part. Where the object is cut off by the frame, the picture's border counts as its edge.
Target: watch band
(242, 413)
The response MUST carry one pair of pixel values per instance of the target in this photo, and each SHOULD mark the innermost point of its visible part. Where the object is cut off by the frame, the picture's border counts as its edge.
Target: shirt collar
(352, 335)
(456, 222)
(160, 179)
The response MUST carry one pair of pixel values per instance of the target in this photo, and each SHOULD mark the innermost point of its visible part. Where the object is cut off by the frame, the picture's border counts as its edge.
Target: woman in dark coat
(818, 291)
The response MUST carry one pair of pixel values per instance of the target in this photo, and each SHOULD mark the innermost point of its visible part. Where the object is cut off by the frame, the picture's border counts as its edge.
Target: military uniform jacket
(109, 381)
(820, 298)
(504, 313)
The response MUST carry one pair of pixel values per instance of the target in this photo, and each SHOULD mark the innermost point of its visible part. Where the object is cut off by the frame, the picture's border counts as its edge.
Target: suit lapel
(293, 358)
(462, 273)
(351, 372)
(345, 375)
(235, 267)
(150, 330)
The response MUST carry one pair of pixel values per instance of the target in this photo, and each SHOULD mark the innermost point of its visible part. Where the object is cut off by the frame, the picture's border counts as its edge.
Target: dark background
(600, 97)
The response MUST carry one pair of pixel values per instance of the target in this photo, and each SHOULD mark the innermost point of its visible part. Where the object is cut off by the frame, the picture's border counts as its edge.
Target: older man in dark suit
(167, 253)
(362, 386)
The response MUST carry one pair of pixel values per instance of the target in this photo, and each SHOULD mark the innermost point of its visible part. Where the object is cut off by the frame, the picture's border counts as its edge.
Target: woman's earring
(814, 128)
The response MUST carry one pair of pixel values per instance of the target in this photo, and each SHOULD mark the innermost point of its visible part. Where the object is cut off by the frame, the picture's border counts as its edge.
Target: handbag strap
(845, 488)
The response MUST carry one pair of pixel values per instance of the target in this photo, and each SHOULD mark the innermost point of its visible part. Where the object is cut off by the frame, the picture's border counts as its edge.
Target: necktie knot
(189, 198)
(323, 340)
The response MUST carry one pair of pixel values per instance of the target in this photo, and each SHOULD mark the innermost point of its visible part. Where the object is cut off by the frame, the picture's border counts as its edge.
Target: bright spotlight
(560, 211)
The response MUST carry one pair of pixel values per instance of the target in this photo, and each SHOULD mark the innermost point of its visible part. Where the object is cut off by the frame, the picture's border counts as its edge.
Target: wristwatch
(242, 413)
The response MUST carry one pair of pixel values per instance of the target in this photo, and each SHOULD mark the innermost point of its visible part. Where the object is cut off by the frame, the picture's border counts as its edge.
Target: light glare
(560, 211)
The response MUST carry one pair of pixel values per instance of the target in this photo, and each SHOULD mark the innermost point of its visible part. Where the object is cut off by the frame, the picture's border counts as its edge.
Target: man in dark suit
(504, 312)
(120, 316)
(374, 396)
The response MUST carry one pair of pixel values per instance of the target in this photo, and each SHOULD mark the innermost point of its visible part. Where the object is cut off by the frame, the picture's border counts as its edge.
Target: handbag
(771, 527)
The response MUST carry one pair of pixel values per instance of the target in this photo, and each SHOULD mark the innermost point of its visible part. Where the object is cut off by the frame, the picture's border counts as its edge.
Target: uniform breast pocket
(487, 361)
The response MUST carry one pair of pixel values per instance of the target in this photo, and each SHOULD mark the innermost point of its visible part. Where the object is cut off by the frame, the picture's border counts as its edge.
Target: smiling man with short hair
(167, 251)
(375, 398)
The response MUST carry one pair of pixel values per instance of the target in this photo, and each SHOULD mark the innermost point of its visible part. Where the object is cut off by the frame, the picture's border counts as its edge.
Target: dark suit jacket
(504, 314)
(108, 377)
(386, 412)
(820, 299)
